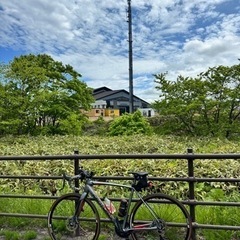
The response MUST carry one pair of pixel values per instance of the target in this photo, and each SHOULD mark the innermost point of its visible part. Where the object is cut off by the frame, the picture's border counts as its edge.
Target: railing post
(76, 171)
(76, 168)
(191, 190)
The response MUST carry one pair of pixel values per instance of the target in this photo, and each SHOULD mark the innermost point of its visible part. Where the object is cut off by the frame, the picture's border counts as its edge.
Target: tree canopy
(39, 94)
(130, 124)
(206, 105)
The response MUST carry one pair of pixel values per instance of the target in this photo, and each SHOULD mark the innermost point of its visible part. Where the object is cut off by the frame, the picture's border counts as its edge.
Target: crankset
(119, 230)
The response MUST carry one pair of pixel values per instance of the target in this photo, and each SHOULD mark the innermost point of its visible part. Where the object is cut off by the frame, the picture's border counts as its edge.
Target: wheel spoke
(172, 221)
(65, 223)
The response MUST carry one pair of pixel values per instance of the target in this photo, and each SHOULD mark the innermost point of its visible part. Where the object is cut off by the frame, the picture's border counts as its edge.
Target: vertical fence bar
(76, 171)
(191, 190)
(76, 168)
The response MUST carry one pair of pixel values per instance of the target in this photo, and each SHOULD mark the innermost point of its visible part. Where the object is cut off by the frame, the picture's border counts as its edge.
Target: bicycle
(155, 216)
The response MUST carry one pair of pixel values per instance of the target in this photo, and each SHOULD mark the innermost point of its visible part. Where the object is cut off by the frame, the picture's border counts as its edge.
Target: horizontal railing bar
(200, 203)
(23, 215)
(124, 156)
(30, 177)
(195, 225)
(213, 180)
(217, 227)
(174, 179)
(35, 216)
(28, 196)
(211, 203)
(165, 179)
(226, 204)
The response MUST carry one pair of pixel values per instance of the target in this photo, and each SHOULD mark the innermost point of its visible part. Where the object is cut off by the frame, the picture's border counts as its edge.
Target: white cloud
(179, 36)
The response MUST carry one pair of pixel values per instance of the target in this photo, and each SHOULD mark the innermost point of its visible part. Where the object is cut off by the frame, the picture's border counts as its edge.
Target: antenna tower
(130, 56)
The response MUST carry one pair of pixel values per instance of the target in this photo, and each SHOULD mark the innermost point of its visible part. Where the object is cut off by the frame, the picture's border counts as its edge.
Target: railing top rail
(125, 156)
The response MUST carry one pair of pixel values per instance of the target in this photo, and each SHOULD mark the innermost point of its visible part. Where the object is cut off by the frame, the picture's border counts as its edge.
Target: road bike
(151, 217)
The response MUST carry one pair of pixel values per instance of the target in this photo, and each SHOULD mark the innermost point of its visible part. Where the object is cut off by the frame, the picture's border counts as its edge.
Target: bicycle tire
(63, 226)
(175, 221)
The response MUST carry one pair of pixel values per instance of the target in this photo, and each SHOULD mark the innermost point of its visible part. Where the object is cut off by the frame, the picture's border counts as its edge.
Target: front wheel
(69, 218)
(172, 220)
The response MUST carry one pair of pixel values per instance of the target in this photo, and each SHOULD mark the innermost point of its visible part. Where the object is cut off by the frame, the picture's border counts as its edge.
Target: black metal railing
(190, 157)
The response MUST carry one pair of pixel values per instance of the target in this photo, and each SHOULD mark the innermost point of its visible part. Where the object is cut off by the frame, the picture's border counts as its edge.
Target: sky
(181, 37)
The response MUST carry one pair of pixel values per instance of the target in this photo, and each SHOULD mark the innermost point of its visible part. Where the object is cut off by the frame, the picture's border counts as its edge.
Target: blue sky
(178, 36)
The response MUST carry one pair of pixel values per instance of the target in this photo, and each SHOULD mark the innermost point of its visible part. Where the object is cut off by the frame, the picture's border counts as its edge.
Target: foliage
(129, 124)
(30, 235)
(99, 127)
(39, 94)
(64, 145)
(11, 235)
(164, 125)
(205, 105)
(72, 125)
(15, 235)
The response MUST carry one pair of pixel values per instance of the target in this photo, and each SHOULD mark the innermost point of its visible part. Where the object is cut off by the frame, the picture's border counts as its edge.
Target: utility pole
(129, 20)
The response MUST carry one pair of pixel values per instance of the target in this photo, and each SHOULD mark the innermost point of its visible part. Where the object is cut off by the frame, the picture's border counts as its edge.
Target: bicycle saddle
(139, 174)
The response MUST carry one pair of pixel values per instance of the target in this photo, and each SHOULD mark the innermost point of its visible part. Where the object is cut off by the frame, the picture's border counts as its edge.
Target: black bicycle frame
(88, 190)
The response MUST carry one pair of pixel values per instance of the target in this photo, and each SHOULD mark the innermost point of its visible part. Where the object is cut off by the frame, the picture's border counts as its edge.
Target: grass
(23, 206)
(218, 215)
(206, 215)
(29, 235)
(218, 235)
(16, 235)
(10, 235)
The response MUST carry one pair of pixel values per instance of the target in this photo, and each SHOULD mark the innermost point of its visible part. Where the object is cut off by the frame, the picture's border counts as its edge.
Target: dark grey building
(118, 99)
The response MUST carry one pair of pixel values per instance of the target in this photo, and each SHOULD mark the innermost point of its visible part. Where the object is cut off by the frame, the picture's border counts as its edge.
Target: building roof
(100, 93)
(101, 89)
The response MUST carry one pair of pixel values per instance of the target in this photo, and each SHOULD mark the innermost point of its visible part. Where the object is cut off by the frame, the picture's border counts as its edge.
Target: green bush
(165, 125)
(130, 124)
(98, 127)
(72, 125)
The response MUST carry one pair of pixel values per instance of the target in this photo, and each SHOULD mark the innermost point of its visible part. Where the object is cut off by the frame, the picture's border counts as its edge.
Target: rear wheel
(173, 221)
(66, 223)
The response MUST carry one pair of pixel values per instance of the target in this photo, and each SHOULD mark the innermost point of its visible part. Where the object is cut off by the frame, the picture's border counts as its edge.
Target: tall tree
(223, 86)
(207, 104)
(8, 104)
(46, 92)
